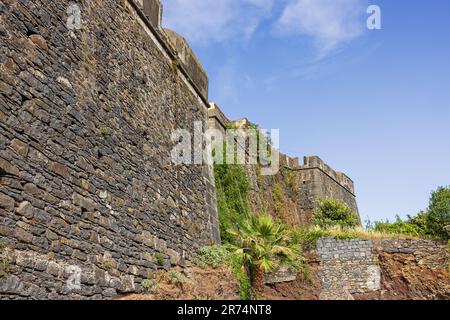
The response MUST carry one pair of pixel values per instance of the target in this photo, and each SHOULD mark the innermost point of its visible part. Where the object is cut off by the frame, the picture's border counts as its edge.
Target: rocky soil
(403, 278)
(201, 284)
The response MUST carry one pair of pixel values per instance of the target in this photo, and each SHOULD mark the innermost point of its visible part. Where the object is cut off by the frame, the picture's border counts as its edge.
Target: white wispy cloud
(330, 23)
(212, 21)
(231, 82)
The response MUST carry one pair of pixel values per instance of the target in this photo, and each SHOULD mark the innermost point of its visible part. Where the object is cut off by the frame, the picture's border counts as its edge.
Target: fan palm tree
(264, 245)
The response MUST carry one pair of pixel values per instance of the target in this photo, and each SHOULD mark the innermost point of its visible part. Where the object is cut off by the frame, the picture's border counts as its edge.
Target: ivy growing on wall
(232, 187)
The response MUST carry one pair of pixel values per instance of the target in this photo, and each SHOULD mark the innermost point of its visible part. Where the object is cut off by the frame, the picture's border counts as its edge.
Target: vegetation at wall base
(216, 256)
(264, 245)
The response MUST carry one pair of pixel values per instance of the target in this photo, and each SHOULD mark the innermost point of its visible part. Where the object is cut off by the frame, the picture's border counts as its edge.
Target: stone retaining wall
(347, 266)
(351, 266)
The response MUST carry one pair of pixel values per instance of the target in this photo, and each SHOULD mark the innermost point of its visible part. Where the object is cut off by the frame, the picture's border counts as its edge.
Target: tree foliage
(439, 213)
(333, 212)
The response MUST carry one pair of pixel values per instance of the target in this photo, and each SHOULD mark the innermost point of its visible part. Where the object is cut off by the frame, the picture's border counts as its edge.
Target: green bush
(237, 265)
(5, 267)
(104, 130)
(177, 278)
(278, 198)
(149, 286)
(439, 213)
(213, 256)
(333, 212)
(307, 237)
(160, 258)
(400, 227)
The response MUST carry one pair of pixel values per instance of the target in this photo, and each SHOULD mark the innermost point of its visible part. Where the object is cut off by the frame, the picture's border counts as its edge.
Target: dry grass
(360, 232)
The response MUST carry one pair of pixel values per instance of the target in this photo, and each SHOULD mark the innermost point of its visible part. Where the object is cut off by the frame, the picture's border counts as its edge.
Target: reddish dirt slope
(402, 278)
(203, 284)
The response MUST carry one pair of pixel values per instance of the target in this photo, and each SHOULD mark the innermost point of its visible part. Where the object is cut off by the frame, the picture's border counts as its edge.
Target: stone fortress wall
(90, 202)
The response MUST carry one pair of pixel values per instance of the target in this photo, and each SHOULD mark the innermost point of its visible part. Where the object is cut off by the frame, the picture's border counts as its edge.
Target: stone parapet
(189, 61)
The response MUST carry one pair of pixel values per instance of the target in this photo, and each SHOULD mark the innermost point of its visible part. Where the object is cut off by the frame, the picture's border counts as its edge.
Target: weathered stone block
(25, 209)
(23, 235)
(8, 168)
(7, 202)
(39, 41)
(20, 147)
(153, 10)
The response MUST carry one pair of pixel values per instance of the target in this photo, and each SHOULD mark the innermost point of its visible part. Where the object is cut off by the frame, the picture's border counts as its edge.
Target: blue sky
(374, 104)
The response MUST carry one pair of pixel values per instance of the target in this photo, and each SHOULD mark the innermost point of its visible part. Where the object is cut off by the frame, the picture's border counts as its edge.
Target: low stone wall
(347, 266)
(351, 266)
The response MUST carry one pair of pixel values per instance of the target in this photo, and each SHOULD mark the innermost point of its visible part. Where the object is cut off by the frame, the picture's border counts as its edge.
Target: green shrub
(425, 224)
(149, 286)
(213, 256)
(307, 237)
(400, 226)
(334, 212)
(236, 263)
(160, 258)
(289, 176)
(5, 267)
(104, 130)
(107, 264)
(177, 278)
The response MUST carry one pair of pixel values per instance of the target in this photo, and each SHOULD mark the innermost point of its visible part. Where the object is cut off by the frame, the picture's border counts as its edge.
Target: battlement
(314, 162)
(217, 119)
(175, 45)
(190, 62)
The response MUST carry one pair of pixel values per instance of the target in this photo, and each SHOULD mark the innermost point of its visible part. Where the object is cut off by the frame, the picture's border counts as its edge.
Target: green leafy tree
(439, 213)
(264, 245)
(334, 212)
